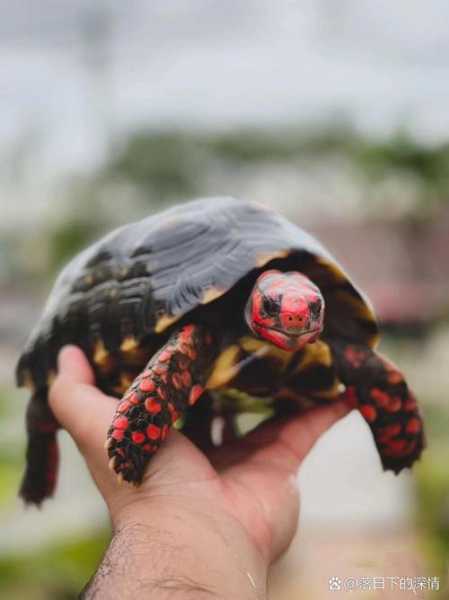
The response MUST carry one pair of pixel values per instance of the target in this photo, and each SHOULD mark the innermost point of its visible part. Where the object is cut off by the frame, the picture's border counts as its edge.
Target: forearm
(180, 554)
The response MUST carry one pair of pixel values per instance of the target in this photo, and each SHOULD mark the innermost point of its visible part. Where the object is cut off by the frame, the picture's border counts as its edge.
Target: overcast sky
(71, 74)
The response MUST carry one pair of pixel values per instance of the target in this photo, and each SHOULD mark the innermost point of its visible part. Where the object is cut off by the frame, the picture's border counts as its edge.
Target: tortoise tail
(42, 456)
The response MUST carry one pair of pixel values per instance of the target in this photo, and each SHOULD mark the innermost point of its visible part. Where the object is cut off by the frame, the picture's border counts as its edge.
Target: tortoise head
(287, 309)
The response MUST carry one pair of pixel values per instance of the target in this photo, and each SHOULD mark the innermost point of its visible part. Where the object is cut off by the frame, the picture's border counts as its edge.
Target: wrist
(184, 549)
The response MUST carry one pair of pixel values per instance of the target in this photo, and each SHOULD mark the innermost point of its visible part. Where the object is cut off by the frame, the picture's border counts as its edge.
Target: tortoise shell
(125, 292)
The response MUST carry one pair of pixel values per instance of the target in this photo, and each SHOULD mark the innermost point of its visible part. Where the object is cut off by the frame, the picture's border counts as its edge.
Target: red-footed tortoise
(215, 294)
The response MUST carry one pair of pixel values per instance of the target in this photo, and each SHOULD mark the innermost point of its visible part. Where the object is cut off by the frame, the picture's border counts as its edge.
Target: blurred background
(336, 114)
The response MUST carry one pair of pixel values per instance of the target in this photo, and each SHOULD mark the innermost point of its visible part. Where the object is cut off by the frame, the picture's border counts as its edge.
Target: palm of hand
(252, 479)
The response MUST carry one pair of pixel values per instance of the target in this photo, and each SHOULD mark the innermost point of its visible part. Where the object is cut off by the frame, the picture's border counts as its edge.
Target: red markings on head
(286, 309)
(294, 310)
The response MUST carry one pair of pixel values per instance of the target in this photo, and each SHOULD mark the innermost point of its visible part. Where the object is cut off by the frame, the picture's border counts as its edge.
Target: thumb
(72, 363)
(80, 408)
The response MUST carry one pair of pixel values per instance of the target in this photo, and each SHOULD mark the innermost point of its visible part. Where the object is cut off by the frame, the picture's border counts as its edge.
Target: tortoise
(215, 296)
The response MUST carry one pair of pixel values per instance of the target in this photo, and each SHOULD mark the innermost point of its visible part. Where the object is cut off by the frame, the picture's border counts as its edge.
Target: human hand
(235, 510)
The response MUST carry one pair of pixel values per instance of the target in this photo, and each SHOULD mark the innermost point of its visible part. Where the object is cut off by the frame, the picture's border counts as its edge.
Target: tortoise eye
(270, 306)
(315, 309)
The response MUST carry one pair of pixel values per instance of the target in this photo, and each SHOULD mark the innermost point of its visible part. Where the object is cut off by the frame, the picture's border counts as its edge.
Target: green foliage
(432, 487)
(67, 238)
(168, 164)
(56, 572)
(173, 164)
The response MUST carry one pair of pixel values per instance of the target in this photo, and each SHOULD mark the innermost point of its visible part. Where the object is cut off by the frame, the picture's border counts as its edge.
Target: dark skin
(197, 526)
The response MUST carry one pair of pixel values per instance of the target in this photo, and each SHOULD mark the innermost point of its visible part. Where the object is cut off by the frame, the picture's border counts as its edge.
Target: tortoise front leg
(377, 388)
(172, 381)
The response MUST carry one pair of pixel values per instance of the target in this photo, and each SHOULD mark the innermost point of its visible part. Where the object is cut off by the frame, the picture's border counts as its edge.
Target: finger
(79, 407)
(281, 443)
(73, 363)
(301, 434)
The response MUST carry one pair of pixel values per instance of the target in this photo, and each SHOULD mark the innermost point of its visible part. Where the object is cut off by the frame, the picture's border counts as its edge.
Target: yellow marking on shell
(211, 294)
(107, 444)
(111, 463)
(225, 368)
(339, 276)
(334, 391)
(28, 381)
(316, 353)
(51, 376)
(129, 344)
(101, 355)
(164, 322)
(263, 259)
(88, 279)
(253, 345)
(120, 479)
(126, 380)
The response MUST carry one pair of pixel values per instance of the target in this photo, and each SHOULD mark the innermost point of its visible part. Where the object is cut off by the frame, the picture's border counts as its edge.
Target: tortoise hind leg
(377, 388)
(42, 457)
(171, 382)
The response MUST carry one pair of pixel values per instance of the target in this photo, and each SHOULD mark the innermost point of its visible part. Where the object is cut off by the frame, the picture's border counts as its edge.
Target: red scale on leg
(173, 414)
(385, 402)
(186, 379)
(152, 405)
(165, 355)
(195, 393)
(384, 434)
(153, 432)
(413, 426)
(138, 437)
(164, 390)
(162, 393)
(355, 356)
(177, 380)
(120, 422)
(369, 412)
(147, 385)
(118, 434)
(160, 369)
